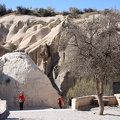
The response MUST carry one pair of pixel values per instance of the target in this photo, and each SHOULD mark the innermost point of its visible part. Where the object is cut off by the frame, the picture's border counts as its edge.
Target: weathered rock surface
(40, 38)
(31, 34)
(19, 73)
(3, 50)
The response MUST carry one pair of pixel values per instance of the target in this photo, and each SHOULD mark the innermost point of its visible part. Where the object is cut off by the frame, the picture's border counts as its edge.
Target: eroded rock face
(39, 37)
(19, 73)
(3, 50)
(31, 34)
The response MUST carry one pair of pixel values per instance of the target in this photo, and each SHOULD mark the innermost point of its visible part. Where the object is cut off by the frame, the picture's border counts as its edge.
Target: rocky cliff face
(34, 35)
(37, 36)
(1, 66)
(19, 73)
(3, 50)
(40, 38)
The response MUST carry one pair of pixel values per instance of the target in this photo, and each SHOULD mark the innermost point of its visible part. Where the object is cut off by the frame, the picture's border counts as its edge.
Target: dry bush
(87, 87)
(37, 22)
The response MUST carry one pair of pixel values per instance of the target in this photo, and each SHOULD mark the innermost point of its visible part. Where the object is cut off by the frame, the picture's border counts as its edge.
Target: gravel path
(111, 113)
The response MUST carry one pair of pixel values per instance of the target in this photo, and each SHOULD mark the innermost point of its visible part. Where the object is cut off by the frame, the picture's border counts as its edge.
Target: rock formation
(40, 38)
(3, 50)
(33, 35)
(19, 73)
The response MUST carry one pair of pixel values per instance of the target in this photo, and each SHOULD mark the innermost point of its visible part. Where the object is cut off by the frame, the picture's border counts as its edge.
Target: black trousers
(60, 106)
(21, 105)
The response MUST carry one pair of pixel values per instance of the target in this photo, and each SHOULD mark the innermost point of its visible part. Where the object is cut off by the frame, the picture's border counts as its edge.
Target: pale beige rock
(20, 27)
(32, 38)
(29, 33)
(21, 74)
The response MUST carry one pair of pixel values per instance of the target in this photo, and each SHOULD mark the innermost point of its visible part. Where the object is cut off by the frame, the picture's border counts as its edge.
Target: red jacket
(60, 101)
(21, 98)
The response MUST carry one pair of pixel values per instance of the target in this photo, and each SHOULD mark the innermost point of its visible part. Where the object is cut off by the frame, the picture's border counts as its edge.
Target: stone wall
(82, 101)
(88, 100)
(118, 98)
(112, 100)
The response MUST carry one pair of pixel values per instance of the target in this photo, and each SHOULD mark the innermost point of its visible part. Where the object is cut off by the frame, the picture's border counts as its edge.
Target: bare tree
(98, 43)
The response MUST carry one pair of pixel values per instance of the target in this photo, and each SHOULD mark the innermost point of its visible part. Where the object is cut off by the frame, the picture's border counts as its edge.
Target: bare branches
(97, 43)
(97, 40)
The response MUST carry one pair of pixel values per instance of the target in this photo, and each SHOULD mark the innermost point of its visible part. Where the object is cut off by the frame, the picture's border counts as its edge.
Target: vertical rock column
(1, 66)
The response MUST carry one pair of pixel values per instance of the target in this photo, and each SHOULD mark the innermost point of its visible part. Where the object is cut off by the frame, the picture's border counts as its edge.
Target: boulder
(19, 73)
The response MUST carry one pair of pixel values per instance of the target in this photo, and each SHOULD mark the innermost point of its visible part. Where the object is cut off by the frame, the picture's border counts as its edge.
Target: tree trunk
(99, 87)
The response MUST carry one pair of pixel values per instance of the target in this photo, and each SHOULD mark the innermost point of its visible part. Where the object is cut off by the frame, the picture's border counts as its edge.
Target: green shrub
(46, 12)
(51, 11)
(12, 46)
(86, 87)
(20, 56)
(57, 22)
(90, 10)
(5, 59)
(74, 10)
(37, 22)
(64, 13)
(2, 9)
(9, 11)
(23, 10)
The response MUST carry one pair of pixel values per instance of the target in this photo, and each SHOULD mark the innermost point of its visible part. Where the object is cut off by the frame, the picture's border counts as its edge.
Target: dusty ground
(110, 113)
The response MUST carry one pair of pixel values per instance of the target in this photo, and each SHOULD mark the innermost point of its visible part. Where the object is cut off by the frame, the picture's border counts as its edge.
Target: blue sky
(63, 5)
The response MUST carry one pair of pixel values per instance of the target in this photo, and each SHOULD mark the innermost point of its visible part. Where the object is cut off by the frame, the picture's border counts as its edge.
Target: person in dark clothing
(21, 100)
(70, 101)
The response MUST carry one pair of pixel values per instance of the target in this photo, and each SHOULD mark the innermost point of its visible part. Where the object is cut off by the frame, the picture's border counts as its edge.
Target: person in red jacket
(60, 102)
(21, 100)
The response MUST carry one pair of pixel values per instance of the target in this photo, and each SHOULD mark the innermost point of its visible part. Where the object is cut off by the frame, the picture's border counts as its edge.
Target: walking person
(60, 102)
(21, 100)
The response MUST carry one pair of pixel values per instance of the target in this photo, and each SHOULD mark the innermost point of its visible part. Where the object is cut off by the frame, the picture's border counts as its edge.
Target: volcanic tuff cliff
(19, 73)
(37, 36)
(40, 38)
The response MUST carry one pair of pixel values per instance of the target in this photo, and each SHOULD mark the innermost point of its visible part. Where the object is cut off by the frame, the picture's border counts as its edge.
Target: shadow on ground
(28, 108)
(107, 110)
(5, 115)
(87, 108)
(13, 119)
(112, 115)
